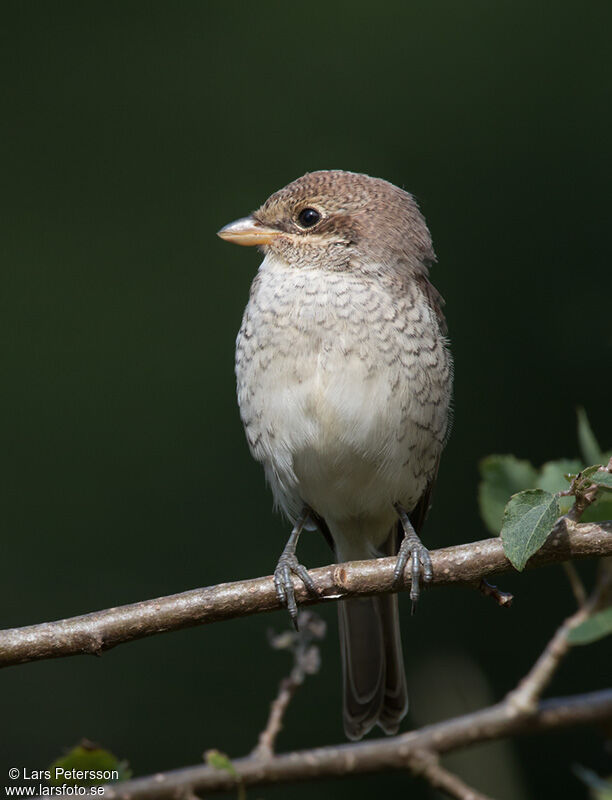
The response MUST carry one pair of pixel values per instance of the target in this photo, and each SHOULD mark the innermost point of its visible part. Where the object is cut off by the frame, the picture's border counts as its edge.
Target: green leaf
(592, 629)
(603, 479)
(501, 476)
(88, 757)
(551, 477)
(220, 761)
(590, 449)
(588, 471)
(601, 509)
(528, 519)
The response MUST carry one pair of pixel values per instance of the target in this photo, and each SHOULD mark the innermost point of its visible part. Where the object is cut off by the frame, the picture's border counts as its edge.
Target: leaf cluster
(505, 475)
(88, 757)
(523, 503)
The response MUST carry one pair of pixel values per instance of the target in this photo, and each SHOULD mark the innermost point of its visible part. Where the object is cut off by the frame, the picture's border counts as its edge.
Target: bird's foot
(420, 561)
(289, 565)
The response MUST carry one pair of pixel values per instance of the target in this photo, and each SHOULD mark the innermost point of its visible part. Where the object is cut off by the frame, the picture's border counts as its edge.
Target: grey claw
(304, 576)
(400, 566)
(415, 575)
(285, 592)
(280, 589)
(420, 568)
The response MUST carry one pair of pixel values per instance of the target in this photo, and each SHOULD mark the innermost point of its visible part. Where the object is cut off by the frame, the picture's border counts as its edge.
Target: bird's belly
(339, 435)
(350, 463)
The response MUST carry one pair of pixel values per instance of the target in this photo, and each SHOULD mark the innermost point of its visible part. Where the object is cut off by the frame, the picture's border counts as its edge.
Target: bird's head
(338, 220)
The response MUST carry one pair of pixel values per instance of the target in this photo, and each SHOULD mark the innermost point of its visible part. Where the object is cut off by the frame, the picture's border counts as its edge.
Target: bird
(344, 382)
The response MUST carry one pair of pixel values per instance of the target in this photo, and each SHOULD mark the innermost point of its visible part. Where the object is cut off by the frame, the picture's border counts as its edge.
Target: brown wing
(435, 300)
(322, 526)
(420, 511)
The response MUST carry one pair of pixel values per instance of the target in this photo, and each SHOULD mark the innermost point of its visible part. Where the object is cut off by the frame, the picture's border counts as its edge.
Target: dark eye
(308, 217)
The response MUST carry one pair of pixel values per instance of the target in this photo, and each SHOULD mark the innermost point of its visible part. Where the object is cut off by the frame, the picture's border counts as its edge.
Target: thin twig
(575, 582)
(584, 495)
(461, 565)
(306, 661)
(530, 689)
(503, 599)
(427, 765)
(527, 693)
(267, 738)
(584, 492)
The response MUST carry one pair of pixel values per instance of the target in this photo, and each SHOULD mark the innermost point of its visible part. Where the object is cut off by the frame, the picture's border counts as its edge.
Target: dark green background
(131, 132)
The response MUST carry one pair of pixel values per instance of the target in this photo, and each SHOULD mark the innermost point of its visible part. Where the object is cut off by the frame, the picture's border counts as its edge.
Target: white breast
(332, 395)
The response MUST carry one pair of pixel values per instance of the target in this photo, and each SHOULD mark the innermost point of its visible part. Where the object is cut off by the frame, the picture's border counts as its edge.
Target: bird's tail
(372, 662)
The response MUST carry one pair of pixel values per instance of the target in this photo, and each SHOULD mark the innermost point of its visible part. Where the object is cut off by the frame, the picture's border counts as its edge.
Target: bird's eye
(308, 217)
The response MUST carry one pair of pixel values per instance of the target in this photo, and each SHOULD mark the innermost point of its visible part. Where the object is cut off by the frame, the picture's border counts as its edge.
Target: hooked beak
(248, 232)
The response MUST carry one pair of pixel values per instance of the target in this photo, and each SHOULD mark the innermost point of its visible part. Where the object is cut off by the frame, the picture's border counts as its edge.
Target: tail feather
(395, 704)
(363, 664)
(372, 662)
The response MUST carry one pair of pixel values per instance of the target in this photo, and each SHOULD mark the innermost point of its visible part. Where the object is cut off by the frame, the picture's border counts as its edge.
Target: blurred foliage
(589, 447)
(527, 518)
(599, 788)
(501, 477)
(505, 475)
(87, 757)
(219, 760)
(592, 629)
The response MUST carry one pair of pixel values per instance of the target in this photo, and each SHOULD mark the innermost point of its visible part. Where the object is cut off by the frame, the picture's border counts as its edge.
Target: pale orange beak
(248, 232)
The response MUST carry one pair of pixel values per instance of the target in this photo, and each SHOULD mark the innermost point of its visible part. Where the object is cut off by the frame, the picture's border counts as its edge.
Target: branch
(464, 564)
(373, 755)
(427, 765)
